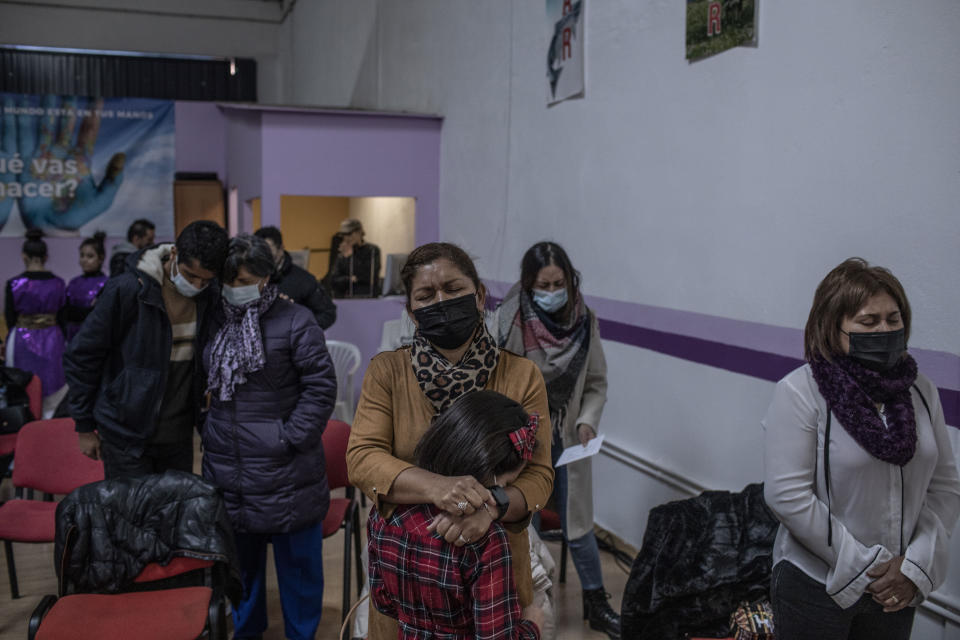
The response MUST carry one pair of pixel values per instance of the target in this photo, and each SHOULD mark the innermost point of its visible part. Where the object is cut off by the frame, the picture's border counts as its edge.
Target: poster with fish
(714, 26)
(72, 165)
(565, 51)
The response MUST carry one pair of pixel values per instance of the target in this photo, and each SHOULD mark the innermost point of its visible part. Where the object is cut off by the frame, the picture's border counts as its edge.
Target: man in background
(297, 283)
(140, 235)
(356, 273)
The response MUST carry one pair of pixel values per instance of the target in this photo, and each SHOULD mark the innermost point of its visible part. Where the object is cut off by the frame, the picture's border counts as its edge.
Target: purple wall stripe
(736, 358)
(759, 364)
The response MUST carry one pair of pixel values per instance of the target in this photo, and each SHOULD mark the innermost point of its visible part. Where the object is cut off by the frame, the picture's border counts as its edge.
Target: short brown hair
(431, 252)
(841, 294)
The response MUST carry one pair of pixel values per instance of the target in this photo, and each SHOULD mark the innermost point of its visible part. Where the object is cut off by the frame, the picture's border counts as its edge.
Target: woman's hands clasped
(891, 588)
(468, 509)
(459, 495)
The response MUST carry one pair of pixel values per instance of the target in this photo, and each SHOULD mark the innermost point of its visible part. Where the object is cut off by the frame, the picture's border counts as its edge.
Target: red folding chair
(46, 459)
(154, 611)
(344, 513)
(182, 600)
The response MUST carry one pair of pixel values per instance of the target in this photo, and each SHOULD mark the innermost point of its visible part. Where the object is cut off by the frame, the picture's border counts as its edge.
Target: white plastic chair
(346, 361)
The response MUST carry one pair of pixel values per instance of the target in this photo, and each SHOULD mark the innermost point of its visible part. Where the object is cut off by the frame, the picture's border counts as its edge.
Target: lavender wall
(201, 138)
(244, 159)
(343, 154)
(361, 322)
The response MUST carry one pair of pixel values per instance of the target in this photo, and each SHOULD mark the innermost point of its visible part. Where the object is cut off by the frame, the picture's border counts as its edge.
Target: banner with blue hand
(72, 165)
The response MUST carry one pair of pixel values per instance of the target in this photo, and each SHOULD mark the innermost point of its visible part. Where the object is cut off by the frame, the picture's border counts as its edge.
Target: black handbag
(16, 410)
(12, 418)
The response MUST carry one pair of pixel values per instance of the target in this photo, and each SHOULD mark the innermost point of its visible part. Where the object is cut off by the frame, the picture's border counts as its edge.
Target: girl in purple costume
(83, 290)
(34, 341)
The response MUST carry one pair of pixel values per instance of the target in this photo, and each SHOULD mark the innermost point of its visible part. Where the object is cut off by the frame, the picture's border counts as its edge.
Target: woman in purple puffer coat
(272, 387)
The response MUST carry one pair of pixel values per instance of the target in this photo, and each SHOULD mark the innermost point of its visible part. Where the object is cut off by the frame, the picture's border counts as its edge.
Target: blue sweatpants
(298, 557)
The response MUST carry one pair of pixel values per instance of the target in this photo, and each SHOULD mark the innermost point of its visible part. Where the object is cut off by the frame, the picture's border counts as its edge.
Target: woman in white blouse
(859, 469)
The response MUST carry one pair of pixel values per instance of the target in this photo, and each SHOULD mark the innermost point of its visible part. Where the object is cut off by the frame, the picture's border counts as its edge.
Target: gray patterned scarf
(238, 346)
(558, 349)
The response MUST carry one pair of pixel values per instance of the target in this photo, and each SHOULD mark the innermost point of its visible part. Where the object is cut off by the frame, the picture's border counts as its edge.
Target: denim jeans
(583, 550)
(802, 610)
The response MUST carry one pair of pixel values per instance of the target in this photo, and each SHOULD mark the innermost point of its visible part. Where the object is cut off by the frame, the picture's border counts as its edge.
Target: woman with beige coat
(452, 355)
(544, 318)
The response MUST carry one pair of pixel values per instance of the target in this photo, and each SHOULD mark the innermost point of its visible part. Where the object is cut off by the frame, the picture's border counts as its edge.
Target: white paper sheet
(579, 452)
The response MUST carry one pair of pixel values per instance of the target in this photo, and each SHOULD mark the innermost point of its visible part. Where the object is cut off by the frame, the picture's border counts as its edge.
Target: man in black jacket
(297, 283)
(356, 273)
(134, 368)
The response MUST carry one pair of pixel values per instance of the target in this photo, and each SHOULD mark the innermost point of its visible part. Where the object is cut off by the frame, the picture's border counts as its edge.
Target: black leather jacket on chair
(116, 527)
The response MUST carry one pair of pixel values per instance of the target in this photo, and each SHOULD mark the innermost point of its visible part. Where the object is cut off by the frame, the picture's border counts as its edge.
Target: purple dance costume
(81, 294)
(33, 300)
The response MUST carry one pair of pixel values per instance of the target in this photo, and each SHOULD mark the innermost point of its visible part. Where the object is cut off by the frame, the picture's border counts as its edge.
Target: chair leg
(11, 569)
(358, 552)
(347, 532)
(563, 560)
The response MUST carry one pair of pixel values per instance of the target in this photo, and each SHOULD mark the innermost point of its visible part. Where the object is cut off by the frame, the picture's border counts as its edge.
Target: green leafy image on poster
(714, 26)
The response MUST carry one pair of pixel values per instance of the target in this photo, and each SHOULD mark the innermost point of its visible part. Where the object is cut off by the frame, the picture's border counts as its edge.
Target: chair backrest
(335, 438)
(35, 394)
(300, 258)
(178, 565)
(346, 361)
(48, 458)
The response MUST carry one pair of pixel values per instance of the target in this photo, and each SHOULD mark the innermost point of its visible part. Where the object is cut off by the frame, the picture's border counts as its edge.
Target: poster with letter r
(73, 165)
(566, 38)
(714, 26)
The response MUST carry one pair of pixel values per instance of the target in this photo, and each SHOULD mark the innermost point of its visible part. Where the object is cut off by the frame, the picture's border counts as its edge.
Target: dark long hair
(95, 241)
(34, 246)
(472, 437)
(544, 254)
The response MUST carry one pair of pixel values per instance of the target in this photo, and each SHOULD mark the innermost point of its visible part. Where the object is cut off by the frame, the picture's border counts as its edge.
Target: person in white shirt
(859, 469)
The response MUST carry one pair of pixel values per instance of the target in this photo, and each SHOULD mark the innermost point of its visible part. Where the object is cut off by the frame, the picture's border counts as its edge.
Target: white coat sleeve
(790, 463)
(925, 561)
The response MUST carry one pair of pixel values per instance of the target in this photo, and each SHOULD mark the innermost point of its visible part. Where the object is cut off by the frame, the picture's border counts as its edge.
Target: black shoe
(597, 610)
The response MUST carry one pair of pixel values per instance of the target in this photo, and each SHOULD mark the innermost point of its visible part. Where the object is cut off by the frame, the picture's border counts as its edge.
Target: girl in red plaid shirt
(433, 588)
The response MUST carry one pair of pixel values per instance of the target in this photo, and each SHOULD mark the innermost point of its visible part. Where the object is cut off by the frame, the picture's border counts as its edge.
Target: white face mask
(550, 301)
(181, 283)
(239, 296)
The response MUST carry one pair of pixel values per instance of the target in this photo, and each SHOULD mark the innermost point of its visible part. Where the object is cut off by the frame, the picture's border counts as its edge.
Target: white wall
(727, 187)
(240, 28)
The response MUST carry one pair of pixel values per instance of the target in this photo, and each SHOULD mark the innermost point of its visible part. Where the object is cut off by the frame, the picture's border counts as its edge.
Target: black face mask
(879, 350)
(450, 323)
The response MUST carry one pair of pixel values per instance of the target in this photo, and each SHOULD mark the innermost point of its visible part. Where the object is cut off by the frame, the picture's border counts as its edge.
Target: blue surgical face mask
(550, 301)
(239, 296)
(181, 283)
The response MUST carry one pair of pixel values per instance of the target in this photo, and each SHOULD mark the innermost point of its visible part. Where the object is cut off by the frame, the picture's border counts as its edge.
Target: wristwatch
(502, 499)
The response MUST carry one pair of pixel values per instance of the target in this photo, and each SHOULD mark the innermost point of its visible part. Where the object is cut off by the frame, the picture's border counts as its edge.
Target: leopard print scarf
(443, 382)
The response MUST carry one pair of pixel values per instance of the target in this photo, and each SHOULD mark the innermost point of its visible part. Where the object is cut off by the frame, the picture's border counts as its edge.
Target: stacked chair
(47, 459)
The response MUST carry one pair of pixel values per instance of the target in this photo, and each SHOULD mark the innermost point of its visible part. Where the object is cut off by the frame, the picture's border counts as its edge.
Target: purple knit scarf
(238, 346)
(852, 393)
